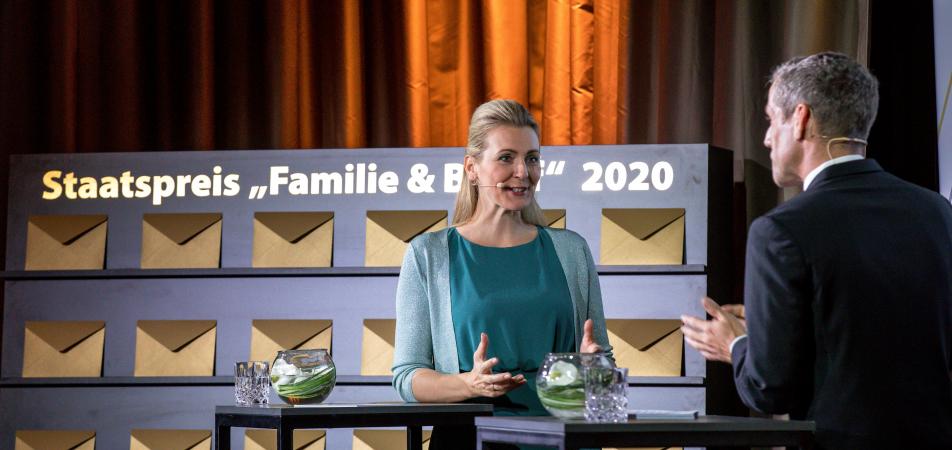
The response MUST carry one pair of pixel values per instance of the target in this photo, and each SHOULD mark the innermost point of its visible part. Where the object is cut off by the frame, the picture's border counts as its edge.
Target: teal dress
(519, 297)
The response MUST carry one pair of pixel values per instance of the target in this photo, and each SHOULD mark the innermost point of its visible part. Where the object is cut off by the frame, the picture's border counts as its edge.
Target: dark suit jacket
(848, 296)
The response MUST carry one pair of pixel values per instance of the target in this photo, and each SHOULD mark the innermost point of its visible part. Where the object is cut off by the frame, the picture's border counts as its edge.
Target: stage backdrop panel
(176, 265)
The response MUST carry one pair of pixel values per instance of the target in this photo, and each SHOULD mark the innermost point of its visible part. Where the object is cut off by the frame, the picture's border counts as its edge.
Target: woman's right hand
(481, 381)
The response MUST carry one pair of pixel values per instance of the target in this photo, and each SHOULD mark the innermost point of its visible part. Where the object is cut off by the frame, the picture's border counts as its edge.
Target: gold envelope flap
(385, 329)
(175, 334)
(385, 439)
(643, 333)
(289, 334)
(554, 217)
(379, 337)
(180, 228)
(268, 439)
(170, 439)
(406, 225)
(52, 439)
(64, 335)
(293, 226)
(66, 229)
(643, 223)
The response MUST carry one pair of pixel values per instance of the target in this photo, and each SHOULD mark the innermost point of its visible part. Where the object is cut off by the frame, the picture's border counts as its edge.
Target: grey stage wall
(346, 293)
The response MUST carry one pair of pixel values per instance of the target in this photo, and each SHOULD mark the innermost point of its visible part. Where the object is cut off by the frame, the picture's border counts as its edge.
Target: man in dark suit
(848, 286)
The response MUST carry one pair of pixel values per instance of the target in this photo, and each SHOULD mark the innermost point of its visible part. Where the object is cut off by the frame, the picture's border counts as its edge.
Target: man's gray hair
(841, 93)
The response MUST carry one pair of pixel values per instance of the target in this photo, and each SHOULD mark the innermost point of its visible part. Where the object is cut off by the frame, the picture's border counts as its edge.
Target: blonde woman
(481, 303)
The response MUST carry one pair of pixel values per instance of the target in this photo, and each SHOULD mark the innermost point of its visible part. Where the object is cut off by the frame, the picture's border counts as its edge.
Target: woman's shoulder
(564, 236)
(426, 242)
(568, 242)
(571, 247)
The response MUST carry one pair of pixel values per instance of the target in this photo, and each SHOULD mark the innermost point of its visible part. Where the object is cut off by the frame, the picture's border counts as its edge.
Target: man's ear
(801, 121)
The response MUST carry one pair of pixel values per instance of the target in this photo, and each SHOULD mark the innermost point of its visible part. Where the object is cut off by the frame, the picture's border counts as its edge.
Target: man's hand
(588, 338)
(481, 381)
(713, 337)
(736, 310)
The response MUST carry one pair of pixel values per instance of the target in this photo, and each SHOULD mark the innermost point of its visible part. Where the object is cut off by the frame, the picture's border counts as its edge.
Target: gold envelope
(385, 440)
(554, 218)
(268, 440)
(170, 440)
(293, 239)
(388, 233)
(270, 336)
(642, 236)
(376, 355)
(647, 347)
(63, 349)
(175, 348)
(55, 440)
(66, 242)
(181, 241)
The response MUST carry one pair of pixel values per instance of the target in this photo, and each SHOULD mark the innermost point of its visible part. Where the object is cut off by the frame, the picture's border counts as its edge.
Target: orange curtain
(138, 75)
(126, 75)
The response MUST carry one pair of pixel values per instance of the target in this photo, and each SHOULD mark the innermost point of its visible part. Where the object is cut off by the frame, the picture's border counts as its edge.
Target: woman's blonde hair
(488, 116)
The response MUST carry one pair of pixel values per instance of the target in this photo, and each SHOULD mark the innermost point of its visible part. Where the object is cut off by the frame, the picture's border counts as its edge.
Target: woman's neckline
(474, 244)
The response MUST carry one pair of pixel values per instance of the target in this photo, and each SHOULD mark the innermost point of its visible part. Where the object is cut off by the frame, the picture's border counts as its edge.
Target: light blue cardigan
(425, 337)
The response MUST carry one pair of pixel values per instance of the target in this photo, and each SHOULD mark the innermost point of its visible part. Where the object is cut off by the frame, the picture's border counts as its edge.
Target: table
(701, 432)
(285, 418)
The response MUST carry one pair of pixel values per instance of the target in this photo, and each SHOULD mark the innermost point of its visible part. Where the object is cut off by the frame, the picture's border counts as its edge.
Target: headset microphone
(497, 185)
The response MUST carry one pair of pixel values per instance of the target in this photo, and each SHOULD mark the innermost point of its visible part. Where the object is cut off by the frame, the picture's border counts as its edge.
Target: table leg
(285, 437)
(222, 435)
(414, 438)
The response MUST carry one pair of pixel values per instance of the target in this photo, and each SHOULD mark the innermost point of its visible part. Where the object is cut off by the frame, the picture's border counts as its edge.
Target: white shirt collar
(839, 160)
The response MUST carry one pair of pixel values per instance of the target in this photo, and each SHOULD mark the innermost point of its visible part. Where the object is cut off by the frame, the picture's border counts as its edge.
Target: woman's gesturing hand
(588, 339)
(481, 381)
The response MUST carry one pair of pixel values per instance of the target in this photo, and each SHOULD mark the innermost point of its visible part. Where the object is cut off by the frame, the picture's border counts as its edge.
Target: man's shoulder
(792, 208)
(928, 197)
(829, 203)
(791, 217)
(886, 186)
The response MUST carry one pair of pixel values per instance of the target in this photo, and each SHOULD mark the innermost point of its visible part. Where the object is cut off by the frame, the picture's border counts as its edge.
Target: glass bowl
(560, 384)
(302, 377)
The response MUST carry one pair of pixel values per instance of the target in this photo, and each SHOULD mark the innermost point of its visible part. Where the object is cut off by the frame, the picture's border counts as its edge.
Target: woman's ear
(469, 168)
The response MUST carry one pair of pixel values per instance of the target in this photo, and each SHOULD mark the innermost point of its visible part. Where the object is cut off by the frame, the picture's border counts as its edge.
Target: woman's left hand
(588, 339)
